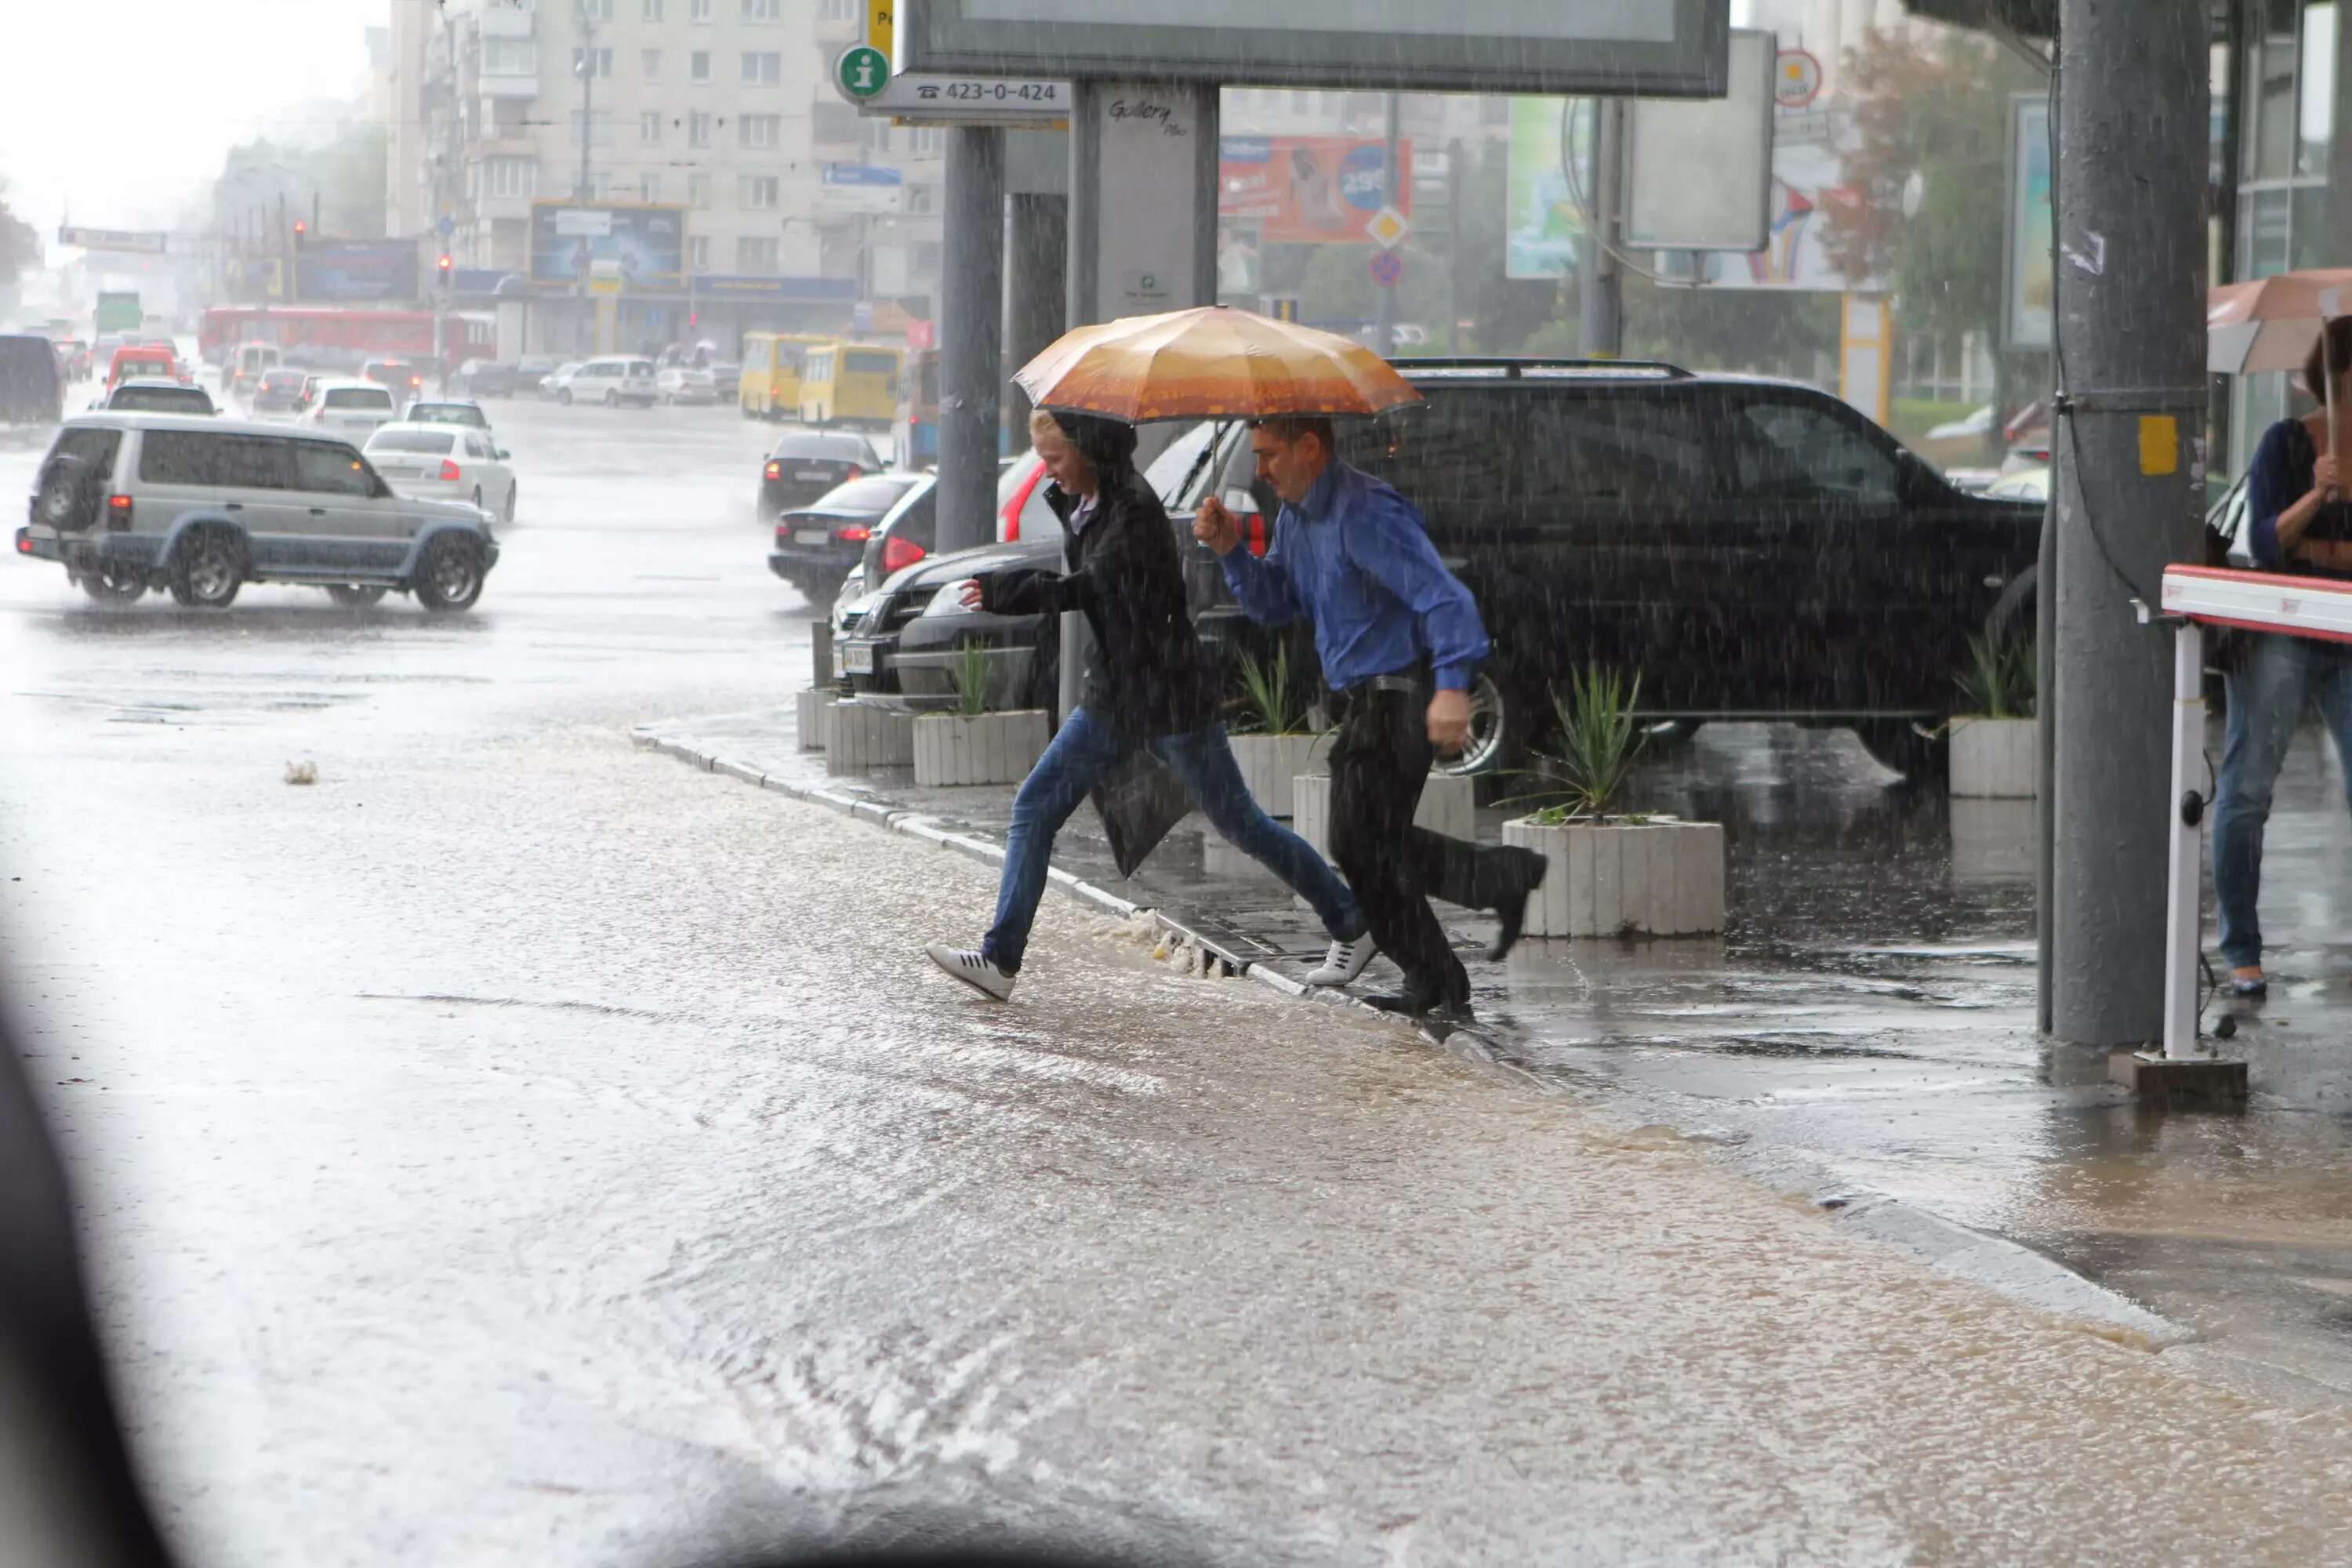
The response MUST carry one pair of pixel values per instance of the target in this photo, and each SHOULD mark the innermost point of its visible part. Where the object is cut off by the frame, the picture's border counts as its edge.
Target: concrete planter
(821, 670)
(1660, 878)
(987, 749)
(1993, 840)
(1269, 763)
(858, 736)
(1448, 805)
(812, 708)
(1995, 759)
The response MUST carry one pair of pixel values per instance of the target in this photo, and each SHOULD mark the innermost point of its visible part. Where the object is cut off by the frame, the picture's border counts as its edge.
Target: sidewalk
(1864, 1031)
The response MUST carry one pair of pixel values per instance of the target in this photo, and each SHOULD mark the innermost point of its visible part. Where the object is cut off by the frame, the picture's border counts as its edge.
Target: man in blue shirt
(1353, 556)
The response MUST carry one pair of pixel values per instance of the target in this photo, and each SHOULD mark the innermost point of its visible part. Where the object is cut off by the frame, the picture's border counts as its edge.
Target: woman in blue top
(2298, 523)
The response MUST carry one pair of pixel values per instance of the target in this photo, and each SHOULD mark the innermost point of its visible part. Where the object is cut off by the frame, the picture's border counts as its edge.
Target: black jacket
(1149, 674)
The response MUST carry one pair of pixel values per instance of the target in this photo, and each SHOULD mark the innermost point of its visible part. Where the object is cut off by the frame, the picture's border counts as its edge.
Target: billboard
(356, 271)
(1308, 189)
(1543, 222)
(645, 244)
(2029, 283)
(1664, 48)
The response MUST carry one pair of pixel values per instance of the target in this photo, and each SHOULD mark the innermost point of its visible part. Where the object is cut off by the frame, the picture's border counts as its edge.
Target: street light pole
(1385, 332)
(587, 68)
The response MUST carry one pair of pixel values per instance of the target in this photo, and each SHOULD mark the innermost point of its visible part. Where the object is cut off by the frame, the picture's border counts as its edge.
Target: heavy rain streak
(787, 782)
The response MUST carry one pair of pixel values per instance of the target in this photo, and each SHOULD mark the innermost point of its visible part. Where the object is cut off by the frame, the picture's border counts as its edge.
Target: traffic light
(444, 269)
(302, 232)
(694, 318)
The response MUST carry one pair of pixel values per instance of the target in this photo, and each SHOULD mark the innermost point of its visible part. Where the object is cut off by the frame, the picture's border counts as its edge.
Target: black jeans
(1379, 762)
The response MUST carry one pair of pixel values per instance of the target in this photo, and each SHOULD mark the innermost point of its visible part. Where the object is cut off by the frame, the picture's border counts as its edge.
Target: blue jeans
(2276, 680)
(1083, 750)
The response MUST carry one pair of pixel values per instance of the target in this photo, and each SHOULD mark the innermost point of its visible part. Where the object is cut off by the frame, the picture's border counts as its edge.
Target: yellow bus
(851, 383)
(771, 387)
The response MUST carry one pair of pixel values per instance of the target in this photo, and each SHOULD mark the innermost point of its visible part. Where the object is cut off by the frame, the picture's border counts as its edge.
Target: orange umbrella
(2270, 323)
(1213, 362)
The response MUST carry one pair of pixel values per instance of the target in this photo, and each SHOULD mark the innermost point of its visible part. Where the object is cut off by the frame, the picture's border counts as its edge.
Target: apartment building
(790, 210)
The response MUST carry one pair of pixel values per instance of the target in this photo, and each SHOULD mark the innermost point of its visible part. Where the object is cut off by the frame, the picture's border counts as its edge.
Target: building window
(697, 253)
(698, 10)
(758, 253)
(697, 192)
(599, 62)
(698, 66)
(649, 127)
(918, 198)
(760, 192)
(762, 129)
(652, 12)
(512, 178)
(600, 186)
(927, 140)
(831, 124)
(763, 68)
(651, 61)
(596, 10)
(836, 10)
(697, 129)
(649, 186)
(509, 57)
(764, 10)
(599, 128)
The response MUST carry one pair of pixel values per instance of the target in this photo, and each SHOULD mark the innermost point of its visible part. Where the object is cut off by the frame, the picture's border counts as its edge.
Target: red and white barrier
(2197, 597)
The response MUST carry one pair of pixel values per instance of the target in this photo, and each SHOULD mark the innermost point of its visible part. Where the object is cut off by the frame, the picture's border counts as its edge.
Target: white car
(687, 384)
(355, 409)
(611, 381)
(445, 462)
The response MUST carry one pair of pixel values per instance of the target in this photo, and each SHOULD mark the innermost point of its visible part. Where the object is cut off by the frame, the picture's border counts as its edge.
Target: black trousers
(1380, 760)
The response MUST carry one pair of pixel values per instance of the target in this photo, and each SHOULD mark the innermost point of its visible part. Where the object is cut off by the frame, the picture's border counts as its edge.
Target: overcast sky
(120, 110)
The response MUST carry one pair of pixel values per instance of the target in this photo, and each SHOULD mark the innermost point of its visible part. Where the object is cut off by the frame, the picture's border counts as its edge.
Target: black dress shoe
(1421, 1004)
(1513, 910)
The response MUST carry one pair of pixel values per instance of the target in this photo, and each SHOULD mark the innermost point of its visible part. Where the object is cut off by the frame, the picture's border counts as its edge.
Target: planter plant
(973, 745)
(1276, 746)
(1993, 750)
(1613, 872)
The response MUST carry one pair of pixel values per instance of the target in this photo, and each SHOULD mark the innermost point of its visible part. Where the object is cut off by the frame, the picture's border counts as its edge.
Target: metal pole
(1600, 288)
(1384, 333)
(587, 96)
(1035, 290)
(1454, 246)
(2045, 739)
(971, 310)
(2131, 95)
(2184, 873)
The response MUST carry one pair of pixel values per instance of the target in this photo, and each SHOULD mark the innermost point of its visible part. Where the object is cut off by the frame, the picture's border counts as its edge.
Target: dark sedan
(817, 546)
(906, 637)
(806, 464)
(486, 378)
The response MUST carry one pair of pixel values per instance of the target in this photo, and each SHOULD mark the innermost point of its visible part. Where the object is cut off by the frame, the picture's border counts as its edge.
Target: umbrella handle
(2327, 374)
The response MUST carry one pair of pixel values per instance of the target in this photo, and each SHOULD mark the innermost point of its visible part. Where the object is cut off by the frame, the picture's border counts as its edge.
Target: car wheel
(611, 400)
(66, 498)
(507, 514)
(206, 569)
(1897, 745)
(450, 576)
(115, 582)
(564, 397)
(354, 596)
(2014, 614)
(1495, 723)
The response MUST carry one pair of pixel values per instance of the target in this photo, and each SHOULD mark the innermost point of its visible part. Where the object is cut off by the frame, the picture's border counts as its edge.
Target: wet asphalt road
(519, 1148)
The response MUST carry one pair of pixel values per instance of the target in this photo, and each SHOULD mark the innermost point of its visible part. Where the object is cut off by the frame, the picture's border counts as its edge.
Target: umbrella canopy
(1213, 362)
(2271, 322)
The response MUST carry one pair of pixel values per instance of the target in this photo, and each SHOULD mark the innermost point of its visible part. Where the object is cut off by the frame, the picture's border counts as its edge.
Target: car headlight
(948, 601)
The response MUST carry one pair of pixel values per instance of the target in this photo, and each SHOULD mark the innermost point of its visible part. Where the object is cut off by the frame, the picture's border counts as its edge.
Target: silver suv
(128, 502)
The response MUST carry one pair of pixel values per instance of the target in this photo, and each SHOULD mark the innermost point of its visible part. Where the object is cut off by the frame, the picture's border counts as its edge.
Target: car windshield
(874, 494)
(359, 397)
(429, 442)
(448, 413)
(816, 445)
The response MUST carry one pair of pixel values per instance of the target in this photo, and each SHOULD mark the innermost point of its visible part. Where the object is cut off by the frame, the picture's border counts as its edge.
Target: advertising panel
(355, 271)
(1543, 222)
(1308, 189)
(2028, 294)
(645, 244)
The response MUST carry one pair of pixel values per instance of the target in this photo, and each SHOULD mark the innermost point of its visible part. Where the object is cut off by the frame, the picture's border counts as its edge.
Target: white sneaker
(1345, 961)
(971, 969)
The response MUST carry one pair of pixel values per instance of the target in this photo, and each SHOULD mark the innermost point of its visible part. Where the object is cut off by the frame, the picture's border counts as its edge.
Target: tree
(20, 246)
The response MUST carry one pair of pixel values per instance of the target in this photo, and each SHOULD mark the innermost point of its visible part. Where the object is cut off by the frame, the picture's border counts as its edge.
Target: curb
(2006, 1268)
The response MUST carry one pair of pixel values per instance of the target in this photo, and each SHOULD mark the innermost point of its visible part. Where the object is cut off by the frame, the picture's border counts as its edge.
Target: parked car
(805, 464)
(2025, 484)
(32, 392)
(684, 384)
(348, 407)
(557, 375)
(158, 396)
(612, 381)
(446, 412)
(446, 462)
(405, 380)
(279, 391)
(127, 501)
(904, 639)
(726, 380)
(819, 546)
(487, 378)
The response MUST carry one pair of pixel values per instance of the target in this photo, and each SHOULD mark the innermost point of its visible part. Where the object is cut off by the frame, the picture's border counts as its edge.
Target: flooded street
(516, 1146)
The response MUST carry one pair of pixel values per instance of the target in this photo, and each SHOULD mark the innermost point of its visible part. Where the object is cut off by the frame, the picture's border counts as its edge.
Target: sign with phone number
(964, 100)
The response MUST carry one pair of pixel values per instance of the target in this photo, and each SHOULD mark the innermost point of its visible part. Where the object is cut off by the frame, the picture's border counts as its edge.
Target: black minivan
(31, 392)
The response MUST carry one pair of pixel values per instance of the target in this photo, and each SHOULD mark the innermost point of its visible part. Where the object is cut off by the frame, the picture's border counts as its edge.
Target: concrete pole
(1036, 286)
(2131, 123)
(970, 336)
(1600, 284)
(1384, 333)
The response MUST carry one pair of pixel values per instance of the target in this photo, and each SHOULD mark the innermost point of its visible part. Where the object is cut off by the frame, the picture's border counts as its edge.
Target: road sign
(1388, 228)
(863, 71)
(970, 101)
(1388, 267)
(1796, 80)
(140, 242)
(446, 226)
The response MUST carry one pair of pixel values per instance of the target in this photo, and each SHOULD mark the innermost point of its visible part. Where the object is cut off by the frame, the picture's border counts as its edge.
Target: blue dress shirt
(1354, 557)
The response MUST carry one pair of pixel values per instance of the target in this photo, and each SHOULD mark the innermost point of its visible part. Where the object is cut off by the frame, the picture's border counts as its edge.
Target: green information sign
(865, 71)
